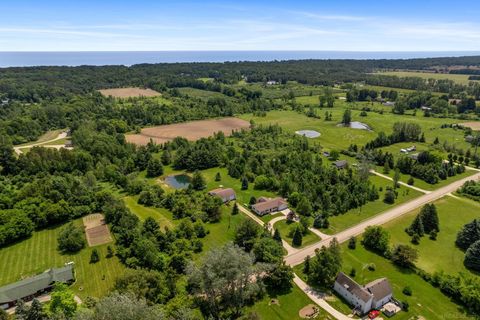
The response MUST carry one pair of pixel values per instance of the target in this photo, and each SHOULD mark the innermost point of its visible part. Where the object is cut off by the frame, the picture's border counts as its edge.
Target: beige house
(226, 194)
(267, 205)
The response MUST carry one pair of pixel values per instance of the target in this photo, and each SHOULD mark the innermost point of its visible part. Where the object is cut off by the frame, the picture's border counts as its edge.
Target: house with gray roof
(29, 288)
(363, 298)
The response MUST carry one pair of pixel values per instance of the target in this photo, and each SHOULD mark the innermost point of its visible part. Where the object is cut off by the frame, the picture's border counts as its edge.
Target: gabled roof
(269, 204)
(32, 285)
(380, 288)
(222, 192)
(340, 163)
(353, 287)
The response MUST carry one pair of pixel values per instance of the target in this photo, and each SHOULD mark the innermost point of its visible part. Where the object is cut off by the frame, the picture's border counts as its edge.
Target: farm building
(389, 104)
(266, 205)
(340, 164)
(226, 194)
(29, 288)
(373, 295)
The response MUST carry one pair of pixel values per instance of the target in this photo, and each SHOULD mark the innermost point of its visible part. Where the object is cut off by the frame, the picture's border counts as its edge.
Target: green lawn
(40, 253)
(161, 215)
(284, 226)
(354, 216)
(441, 254)
(426, 301)
(287, 308)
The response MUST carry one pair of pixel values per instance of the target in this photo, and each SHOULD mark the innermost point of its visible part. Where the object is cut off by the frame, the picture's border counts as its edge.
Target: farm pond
(178, 181)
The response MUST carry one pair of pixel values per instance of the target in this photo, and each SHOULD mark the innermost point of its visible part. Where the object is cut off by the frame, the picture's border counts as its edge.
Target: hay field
(192, 131)
(474, 125)
(129, 92)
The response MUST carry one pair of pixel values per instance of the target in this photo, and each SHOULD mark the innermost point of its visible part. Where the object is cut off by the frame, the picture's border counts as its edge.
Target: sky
(338, 25)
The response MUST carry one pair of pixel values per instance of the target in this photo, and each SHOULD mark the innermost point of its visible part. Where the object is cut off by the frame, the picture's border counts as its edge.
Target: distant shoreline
(128, 58)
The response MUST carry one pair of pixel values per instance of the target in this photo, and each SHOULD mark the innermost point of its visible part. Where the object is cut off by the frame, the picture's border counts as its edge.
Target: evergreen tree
(318, 221)
(386, 168)
(389, 197)
(94, 257)
(396, 178)
(297, 237)
(244, 183)
(347, 117)
(235, 209)
(472, 256)
(469, 234)
(21, 311)
(417, 226)
(276, 236)
(306, 265)
(352, 243)
(430, 218)
(3, 313)
(36, 311)
(198, 181)
(154, 168)
(166, 157)
(218, 177)
(110, 251)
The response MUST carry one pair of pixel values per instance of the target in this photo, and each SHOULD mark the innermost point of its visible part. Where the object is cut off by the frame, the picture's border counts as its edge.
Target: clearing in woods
(96, 230)
(129, 92)
(192, 131)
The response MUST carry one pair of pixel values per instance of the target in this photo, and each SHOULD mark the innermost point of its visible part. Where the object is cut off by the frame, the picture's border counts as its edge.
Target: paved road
(298, 257)
(60, 136)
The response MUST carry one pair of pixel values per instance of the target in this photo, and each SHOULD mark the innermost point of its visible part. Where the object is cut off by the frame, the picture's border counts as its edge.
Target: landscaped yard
(285, 307)
(40, 253)
(284, 228)
(426, 301)
(355, 216)
(440, 254)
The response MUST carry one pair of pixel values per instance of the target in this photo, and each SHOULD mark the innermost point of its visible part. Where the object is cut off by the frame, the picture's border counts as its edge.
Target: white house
(363, 298)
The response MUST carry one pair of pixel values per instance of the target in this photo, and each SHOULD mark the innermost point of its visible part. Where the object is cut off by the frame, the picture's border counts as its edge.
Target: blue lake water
(178, 181)
(18, 59)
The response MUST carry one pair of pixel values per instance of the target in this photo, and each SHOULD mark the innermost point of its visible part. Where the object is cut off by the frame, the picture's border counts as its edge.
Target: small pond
(359, 125)
(308, 133)
(178, 181)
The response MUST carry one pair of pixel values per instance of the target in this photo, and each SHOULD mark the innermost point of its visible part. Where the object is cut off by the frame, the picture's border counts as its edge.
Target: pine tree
(235, 209)
(276, 236)
(154, 168)
(36, 311)
(21, 311)
(297, 238)
(110, 252)
(166, 158)
(472, 257)
(218, 177)
(430, 218)
(318, 221)
(417, 226)
(306, 265)
(244, 183)
(352, 243)
(469, 234)
(94, 257)
(198, 181)
(386, 168)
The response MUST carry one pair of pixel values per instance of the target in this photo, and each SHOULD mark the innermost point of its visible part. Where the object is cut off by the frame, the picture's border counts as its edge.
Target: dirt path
(399, 182)
(60, 136)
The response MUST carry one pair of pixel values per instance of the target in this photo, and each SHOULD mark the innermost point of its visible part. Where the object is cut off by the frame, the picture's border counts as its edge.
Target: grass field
(355, 216)
(335, 137)
(49, 135)
(284, 226)
(426, 301)
(40, 253)
(441, 254)
(161, 215)
(458, 78)
(287, 308)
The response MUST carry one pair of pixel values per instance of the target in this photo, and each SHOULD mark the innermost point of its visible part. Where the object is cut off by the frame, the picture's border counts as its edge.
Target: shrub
(71, 239)
(407, 291)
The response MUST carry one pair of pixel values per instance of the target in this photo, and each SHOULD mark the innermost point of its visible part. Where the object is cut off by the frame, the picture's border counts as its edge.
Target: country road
(60, 136)
(298, 257)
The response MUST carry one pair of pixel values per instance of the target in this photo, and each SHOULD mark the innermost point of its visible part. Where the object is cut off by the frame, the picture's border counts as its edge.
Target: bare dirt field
(96, 230)
(474, 125)
(129, 92)
(192, 131)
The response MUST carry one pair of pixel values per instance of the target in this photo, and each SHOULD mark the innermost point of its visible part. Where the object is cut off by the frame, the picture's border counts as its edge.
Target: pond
(359, 125)
(178, 181)
(308, 133)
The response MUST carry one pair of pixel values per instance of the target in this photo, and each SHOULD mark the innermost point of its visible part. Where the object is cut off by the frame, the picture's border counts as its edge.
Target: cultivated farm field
(192, 130)
(459, 78)
(129, 92)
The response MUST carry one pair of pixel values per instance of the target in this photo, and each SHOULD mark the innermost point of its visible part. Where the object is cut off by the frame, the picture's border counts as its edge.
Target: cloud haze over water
(250, 25)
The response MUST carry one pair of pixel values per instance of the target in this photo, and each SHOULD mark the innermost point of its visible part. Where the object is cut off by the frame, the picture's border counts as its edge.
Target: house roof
(353, 287)
(340, 163)
(222, 192)
(269, 204)
(32, 285)
(380, 288)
